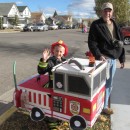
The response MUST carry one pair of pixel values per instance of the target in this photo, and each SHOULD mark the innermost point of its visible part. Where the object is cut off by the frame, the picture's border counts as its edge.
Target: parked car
(19, 26)
(68, 27)
(126, 34)
(62, 27)
(28, 27)
(53, 27)
(74, 26)
(8, 26)
(40, 27)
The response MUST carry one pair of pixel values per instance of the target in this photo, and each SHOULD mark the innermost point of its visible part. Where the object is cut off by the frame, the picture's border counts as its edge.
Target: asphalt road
(26, 49)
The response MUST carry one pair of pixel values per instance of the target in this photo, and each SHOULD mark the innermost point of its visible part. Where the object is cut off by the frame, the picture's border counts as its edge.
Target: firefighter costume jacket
(44, 67)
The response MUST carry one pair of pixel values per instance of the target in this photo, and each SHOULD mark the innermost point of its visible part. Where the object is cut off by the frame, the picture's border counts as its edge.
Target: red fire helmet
(60, 42)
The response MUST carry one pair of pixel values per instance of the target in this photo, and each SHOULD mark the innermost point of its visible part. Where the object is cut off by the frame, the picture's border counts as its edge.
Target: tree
(48, 22)
(15, 20)
(98, 5)
(55, 14)
(1, 23)
(121, 9)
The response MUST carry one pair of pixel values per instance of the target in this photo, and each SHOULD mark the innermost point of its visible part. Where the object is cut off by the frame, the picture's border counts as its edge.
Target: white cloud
(78, 8)
(19, 2)
(82, 8)
(50, 11)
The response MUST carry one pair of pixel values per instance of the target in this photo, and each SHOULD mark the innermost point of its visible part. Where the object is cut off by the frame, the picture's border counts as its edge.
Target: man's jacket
(100, 43)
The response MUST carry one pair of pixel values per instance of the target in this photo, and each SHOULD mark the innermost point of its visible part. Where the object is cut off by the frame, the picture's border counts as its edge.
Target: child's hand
(46, 54)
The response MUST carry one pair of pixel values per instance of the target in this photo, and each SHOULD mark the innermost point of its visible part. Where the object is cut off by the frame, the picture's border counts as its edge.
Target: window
(99, 79)
(103, 75)
(78, 85)
(96, 82)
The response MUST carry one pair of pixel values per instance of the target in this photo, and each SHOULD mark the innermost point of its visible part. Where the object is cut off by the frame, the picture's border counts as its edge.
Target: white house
(25, 14)
(8, 12)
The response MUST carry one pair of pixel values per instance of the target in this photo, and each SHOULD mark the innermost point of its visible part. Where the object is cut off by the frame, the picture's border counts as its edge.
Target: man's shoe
(101, 118)
(108, 111)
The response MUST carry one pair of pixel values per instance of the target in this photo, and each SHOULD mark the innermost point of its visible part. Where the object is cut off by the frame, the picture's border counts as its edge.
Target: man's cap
(107, 5)
(60, 42)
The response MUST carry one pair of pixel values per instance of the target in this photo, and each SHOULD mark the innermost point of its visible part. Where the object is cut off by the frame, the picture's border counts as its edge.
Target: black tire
(77, 123)
(40, 115)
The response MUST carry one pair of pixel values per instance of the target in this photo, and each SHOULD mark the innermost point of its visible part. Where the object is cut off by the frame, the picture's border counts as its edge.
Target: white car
(40, 27)
(53, 27)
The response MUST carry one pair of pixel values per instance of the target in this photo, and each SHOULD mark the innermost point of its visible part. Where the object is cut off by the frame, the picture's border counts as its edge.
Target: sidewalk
(120, 100)
(10, 31)
(6, 106)
(6, 101)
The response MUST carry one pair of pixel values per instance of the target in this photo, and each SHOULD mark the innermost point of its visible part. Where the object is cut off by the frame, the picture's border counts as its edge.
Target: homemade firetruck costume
(77, 95)
(47, 66)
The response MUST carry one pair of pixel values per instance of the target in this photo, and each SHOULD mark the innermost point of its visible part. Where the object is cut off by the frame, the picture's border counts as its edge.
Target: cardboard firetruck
(77, 95)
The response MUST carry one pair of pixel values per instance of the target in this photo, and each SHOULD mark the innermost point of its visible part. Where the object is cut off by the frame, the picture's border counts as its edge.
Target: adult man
(105, 43)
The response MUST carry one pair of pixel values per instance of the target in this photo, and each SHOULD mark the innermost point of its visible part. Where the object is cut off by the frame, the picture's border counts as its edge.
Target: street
(26, 49)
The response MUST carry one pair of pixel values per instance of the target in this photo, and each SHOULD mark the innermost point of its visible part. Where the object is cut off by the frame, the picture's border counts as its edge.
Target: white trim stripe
(47, 111)
(42, 103)
(61, 115)
(60, 118)
(47, 100)
(65, 105)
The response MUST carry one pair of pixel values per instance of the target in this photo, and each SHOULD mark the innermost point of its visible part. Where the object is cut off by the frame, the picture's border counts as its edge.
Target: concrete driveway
(120, 99)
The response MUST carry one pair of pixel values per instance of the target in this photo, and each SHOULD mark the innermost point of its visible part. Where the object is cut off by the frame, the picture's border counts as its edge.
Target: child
(47, 62)
(85, 29)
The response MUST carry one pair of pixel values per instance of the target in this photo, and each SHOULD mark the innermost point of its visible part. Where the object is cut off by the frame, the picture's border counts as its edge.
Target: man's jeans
(111, 69)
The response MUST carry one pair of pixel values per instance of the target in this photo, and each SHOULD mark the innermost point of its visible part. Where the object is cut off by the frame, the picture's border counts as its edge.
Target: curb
(7, 114)
(11, 32)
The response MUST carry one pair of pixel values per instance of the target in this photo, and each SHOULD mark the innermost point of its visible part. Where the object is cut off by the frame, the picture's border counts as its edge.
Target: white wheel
(37, 114)
(127, 40)
(77, 123)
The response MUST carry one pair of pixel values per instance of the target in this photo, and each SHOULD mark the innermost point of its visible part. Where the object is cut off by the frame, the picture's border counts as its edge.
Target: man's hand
(102, 58)
(122, 65)
(46, 54)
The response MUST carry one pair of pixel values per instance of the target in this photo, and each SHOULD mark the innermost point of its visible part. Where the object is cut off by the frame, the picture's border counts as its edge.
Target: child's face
(59, 51)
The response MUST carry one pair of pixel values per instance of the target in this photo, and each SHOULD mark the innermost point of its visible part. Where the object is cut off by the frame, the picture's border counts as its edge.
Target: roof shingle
(5, 8)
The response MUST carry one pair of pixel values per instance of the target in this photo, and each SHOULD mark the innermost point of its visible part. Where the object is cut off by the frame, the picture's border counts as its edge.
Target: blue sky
(78, 8)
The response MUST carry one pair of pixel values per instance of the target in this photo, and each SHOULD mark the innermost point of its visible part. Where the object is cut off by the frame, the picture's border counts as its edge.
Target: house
(60, 19)
(11, 14)
(68, 19)
(37, 17)
(8, 12)
(25, 14)
(52, 21)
